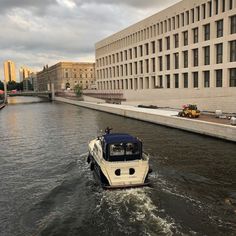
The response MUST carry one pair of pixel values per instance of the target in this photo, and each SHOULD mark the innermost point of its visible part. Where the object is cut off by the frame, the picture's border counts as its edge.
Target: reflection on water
(21, 99)
(48, 189)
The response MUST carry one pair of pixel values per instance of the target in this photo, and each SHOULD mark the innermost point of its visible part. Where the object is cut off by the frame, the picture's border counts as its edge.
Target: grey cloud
(63, 33)
(36, 5)
(131, 3)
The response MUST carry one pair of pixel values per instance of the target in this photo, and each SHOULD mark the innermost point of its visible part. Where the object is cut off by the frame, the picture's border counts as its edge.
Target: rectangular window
(230, 4)
(206, 55)
(126, 55)
(168, 81)
(146, 49)
(185, 55)
(153, 47)
(206, 79)
(192, 13)
(141, 50)
(207, 32)
(232, 78)
(176, 40)
(161, 81)
(185, 80)
(147, 65)
(198, 13)
(167, 43)
(233, 24)
(195, 35)
(160, 64)
(135, 52)
(153, 65)
(176, 59)
(223, 5)
(216, 7)
(167, 62)
(195, 79)
(219, 78)
(187, 17)
(195, 57)
(210, 8)
(160, 45)
(130, 54)
(176, 80)
(219, 28)
(185, 36)
(204, 11)
(233, 51)
(219, 53)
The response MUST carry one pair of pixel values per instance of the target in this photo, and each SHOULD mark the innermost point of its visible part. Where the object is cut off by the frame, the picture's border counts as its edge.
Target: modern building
(9, 71)
(30, 82)
(65, 75)
(183, 54)
(24, 73)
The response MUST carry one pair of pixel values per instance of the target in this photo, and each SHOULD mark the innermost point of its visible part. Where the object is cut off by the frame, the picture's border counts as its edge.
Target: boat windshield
(124, 151)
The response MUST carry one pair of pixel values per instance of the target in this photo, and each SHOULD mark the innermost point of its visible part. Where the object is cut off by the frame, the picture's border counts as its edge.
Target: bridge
(48, 94)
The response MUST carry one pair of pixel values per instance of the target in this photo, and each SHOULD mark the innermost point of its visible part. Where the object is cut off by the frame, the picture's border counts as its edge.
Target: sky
(35, 33)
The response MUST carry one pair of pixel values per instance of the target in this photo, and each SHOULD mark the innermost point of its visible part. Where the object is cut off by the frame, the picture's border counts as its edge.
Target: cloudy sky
(38, 32)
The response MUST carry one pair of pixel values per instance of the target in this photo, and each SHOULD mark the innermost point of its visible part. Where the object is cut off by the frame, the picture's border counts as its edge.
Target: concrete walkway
(161, 117)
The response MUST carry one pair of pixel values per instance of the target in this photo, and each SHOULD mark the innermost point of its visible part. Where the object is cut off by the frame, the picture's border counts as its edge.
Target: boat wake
(134, 213)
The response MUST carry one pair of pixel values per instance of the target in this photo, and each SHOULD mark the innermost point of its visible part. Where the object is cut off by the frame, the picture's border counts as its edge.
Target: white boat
(118, 161)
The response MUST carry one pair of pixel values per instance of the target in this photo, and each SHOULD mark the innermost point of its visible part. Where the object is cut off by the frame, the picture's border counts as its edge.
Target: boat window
(132, 149)
(117, 149)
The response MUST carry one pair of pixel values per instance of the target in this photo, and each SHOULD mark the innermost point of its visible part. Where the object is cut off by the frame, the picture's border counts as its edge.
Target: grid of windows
(135, 55)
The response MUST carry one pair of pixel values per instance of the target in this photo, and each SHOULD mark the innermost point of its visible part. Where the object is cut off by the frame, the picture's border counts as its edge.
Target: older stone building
(65, 75)
(183, 54)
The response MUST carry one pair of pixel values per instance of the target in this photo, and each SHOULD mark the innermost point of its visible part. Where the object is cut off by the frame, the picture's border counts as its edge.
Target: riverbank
(2, 105)
(161, 117)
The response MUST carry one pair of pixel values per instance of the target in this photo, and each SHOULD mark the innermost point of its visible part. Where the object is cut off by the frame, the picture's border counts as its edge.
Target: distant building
(24, 73)
(183, 54)
(65, 75)
(30, 82)
(9, 71)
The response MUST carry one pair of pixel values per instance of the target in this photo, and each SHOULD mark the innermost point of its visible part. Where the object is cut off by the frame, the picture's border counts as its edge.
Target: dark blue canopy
(120, 138)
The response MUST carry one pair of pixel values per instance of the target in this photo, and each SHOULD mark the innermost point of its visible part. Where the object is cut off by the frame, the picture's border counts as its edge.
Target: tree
(1, 85)
(78, 90)
(11, 85)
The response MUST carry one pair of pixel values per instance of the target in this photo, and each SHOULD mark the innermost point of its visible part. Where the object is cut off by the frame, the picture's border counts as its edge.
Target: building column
(225, 75)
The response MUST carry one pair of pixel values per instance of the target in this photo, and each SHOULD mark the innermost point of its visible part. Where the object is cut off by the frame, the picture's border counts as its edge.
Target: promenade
(162, 117)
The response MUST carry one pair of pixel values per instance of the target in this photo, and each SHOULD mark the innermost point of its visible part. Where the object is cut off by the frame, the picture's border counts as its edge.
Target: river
(46, 187)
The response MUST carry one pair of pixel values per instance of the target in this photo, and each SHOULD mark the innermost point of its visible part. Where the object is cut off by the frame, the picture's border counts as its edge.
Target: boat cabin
(121, 147)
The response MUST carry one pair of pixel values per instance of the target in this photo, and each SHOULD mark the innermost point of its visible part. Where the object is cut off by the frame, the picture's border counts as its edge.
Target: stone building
(183, 54)
(65, 75)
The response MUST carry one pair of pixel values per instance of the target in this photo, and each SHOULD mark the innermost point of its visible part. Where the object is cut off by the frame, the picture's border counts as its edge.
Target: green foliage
(12, 85)
(78, 90)
(1, 85)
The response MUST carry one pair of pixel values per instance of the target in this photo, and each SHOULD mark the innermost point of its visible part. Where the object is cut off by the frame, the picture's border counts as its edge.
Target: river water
(46, 187)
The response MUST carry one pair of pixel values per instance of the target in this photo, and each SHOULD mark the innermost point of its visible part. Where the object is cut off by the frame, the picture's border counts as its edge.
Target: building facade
(24, 73)
(65, 75)
(9, 71)
(185, 53)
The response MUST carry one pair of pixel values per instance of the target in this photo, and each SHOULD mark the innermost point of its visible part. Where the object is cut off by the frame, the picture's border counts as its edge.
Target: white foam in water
(140, 208)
